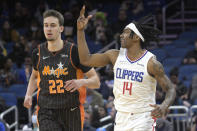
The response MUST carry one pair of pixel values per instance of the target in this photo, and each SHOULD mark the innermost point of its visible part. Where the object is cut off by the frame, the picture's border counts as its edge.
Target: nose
(48, 28)
(121, 35)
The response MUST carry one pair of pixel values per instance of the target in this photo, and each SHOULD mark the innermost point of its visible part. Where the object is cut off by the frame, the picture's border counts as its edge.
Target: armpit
(113, 55)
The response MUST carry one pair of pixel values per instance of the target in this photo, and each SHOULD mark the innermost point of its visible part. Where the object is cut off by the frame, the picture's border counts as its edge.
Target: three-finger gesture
(82, 21)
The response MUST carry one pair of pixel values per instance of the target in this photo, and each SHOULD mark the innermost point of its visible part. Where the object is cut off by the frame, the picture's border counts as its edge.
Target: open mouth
(49, 34)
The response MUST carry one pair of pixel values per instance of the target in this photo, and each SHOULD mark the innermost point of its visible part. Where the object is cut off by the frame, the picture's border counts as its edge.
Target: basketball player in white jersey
(136, 73)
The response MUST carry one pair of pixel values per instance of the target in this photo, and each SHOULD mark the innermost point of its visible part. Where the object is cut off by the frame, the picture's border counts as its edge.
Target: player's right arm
(87, 59)
(32, 85)
(30, 89)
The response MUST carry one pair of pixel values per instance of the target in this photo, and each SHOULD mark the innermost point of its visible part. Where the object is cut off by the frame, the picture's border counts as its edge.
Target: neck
(134, 52)
(55, 45)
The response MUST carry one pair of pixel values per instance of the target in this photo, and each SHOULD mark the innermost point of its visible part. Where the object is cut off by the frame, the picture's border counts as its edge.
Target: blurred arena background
(21, 31)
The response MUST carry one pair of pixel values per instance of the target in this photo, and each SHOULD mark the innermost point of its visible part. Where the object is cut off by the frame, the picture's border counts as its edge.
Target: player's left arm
(156, 69)
(92, 81)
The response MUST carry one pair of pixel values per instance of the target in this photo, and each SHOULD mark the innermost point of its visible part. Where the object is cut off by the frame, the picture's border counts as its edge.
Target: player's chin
(50, 39)
(123, 45)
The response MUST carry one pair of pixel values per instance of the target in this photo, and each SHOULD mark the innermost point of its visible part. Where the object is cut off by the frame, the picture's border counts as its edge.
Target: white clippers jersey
(134, 89)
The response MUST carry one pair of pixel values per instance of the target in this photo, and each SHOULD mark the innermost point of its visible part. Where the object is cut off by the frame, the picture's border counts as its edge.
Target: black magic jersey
(54, 70)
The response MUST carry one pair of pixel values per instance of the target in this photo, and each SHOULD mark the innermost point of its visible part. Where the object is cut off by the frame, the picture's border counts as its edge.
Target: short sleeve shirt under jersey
(74, 57)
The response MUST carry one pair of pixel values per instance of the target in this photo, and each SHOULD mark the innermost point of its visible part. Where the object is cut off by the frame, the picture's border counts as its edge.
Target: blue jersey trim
(137, 59)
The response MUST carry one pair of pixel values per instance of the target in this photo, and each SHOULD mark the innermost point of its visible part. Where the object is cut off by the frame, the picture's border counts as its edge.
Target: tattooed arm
(155, 69)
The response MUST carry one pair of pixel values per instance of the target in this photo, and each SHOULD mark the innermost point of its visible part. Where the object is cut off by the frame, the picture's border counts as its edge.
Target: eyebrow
(50, 23)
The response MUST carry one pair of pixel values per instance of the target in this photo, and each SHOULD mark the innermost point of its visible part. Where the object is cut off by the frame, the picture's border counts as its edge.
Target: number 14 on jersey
(127, 87)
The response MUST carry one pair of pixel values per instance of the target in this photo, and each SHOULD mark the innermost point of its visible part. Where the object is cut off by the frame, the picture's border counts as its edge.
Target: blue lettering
(129, 75)
(141, 76)
(118, 73)
(136, 76)
(125, 73)
(133, 76)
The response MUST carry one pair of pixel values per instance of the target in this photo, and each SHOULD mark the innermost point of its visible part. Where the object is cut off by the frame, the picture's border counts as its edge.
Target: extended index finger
(82, 12)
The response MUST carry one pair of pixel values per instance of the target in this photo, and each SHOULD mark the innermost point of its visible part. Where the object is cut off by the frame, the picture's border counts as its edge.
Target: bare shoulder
(113, 55)
(155, 68)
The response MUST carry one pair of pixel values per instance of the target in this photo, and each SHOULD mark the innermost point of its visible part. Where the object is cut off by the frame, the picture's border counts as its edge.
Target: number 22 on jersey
(127, 87)
(58, 84)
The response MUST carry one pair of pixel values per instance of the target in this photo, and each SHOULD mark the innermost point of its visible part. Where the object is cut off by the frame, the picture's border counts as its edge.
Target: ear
(61, 29)
(136, 37)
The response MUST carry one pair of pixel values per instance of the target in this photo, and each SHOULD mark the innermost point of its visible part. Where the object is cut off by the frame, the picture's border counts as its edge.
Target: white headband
(134, 29)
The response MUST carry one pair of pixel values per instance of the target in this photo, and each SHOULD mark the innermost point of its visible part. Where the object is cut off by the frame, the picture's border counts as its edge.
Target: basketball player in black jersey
(60, 80)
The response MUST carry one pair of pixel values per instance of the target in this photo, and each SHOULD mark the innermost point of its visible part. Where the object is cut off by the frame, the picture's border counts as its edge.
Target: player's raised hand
(82, 21)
